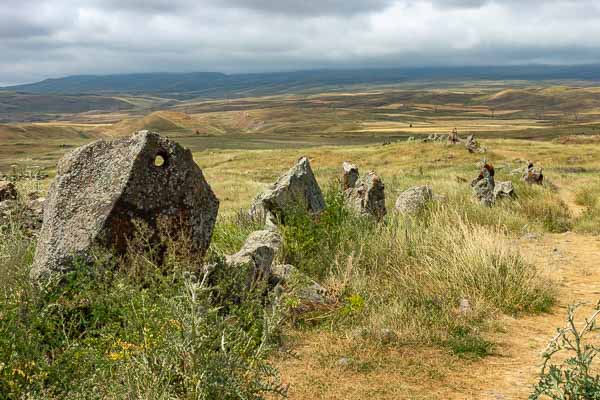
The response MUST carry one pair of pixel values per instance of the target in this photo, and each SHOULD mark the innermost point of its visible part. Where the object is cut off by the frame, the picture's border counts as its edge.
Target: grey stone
(367, 197)
(473, 145)
(7, 191)
(483, 186)
(101, 189)
(344, 362)
(297, 189)
(259, 250)
(351, 175)
(413, 200)
(300, 285)
(464, 306)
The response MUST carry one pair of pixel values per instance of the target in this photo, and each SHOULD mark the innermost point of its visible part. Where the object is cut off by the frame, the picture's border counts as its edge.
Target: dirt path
(573, 261)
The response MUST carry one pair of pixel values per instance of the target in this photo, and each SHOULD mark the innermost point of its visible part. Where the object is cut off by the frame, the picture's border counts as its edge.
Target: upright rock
(102, 188)
(297, 189)
(259, 250)
(351, 175)
(483, 185)
(7, 191)
(533, 175)
(473, 145)
(367, 196)
(413, 200)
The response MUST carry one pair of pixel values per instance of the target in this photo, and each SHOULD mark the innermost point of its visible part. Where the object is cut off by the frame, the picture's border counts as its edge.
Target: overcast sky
(52, 38)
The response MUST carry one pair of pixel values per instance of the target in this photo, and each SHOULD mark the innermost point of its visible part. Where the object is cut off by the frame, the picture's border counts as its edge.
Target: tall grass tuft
(589, 197)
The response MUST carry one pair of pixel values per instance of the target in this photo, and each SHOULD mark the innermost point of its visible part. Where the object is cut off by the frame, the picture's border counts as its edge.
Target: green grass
(589, 197)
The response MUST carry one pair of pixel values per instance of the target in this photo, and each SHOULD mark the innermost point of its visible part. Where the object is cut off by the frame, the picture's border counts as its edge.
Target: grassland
(518, 263)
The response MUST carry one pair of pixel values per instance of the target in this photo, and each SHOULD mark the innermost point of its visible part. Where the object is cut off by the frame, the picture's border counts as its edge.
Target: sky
(52, 38)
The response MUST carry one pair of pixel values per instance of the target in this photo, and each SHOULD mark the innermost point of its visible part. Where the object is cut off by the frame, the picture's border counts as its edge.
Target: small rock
(299, 284)
(464, 306)
(504, 190)
(259, 250)
(344, 362)
(387, 336)
(533, 175)
(473, 145)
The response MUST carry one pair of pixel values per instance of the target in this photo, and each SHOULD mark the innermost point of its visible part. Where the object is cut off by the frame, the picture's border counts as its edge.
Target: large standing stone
(296, 190)
(7, 191)
(367, 197)
(102, 188)
(259, 251)
(413, 200)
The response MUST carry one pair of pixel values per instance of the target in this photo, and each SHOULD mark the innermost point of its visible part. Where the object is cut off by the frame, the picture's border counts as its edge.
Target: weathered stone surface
(367, 197)
(483, 186)
(473, 145)
(103, 187)
(413, 200)
(351, 175)
(297, 189)
(533, 175)
(7, 191)
(299, 285)
(259, 250)
(504, 190)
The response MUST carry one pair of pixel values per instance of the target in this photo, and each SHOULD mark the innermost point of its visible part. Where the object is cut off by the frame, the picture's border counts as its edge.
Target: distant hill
(218, 85)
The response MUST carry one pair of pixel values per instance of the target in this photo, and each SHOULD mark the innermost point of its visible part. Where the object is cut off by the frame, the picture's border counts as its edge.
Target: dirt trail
(573, 261)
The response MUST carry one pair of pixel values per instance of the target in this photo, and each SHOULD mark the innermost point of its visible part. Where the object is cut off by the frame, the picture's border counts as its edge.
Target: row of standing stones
(102, 189)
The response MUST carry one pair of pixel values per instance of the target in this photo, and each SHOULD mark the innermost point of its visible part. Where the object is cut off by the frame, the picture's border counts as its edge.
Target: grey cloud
(50, 38)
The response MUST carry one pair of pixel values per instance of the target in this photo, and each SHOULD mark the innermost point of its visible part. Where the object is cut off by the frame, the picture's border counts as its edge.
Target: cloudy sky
(52, 38)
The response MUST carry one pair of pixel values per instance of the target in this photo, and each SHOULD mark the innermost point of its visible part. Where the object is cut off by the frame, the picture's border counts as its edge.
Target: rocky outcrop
(296, 190)
(7, 191)
(259, 251)
(413, 200)
(102, 188)
(367, 197)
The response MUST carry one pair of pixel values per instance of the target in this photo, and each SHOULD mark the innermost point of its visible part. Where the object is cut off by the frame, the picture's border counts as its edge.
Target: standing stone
(102, 188)
(473, 145)
(483, 186)
(7, 191)
(296, 190)
(351, 175)
(259, 250)
(367, 197)
(413, 200)
(533, 175)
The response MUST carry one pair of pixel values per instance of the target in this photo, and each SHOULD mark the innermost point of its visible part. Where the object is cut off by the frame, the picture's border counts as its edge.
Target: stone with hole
(297, 190)
(101, 189)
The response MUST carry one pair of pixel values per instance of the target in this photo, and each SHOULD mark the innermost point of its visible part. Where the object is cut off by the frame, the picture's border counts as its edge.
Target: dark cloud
(49, 38)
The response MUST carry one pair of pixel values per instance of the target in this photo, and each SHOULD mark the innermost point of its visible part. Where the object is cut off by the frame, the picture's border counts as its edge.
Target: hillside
(218, 85)
(161, 121)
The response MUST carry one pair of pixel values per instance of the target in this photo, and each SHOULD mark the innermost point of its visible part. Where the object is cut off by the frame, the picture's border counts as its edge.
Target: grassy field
(394, 328)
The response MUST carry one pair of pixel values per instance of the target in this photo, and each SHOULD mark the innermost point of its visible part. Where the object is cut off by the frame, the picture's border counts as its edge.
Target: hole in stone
(160, 161)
